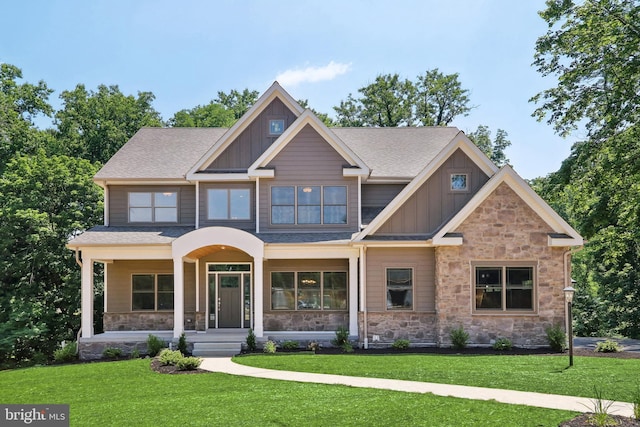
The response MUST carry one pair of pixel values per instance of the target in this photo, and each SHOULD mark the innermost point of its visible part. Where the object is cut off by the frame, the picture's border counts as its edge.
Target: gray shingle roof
(169, 153)
(160, 153)
(102, 235)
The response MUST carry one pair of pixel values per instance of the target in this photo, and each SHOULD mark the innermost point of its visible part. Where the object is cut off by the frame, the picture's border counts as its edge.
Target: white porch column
(353, 295)
(178, 297)
(258, 312)
(87, 298)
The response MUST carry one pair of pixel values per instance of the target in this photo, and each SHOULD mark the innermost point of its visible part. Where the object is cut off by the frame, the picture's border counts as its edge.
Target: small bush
(601, 406)
(290, 345)
(182, 344)
(608, 346)
(188, 363)
(269, 347)
(251, 341)
(135, 354)
(111, 353)
(502, 344)
(313, 346)
(459, 338)
(557, 338)
(342, 337)
(154, 345)
(66, 353)
(347, 347)
(400, 344)
(170, 357)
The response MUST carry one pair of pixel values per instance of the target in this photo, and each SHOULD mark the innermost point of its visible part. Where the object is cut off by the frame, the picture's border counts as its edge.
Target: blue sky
(186, 51)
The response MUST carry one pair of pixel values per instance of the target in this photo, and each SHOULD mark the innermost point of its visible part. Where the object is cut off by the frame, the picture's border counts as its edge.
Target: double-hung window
(309, 290)
(309, 204)
(229, 203)
(153, 207)
(399, 288)
(504, 287)
(152, 292)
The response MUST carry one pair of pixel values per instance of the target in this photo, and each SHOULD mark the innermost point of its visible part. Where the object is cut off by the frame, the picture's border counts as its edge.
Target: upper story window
(153, 207)
(503, 288)
(276, 127)
(459, 182)
(229, 203)
(309, 204)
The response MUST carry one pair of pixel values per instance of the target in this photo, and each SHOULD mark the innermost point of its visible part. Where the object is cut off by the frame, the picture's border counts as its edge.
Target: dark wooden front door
(230, 294)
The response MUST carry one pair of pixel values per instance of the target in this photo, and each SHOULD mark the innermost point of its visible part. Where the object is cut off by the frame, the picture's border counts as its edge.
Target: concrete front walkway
(550, 401)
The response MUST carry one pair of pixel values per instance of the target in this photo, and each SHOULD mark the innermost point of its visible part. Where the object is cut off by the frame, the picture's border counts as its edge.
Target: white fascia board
(460, 141)
(308, 118)
(103, 183)
(309, 251)
(564, 242)
(347, 172)
(126, 252)
(262, 173)
(274, 91)
(447, 241)
(213, 177)
(394, 244)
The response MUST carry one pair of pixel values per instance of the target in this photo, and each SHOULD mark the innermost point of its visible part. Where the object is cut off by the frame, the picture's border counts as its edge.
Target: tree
(44, 201)
(440, 98)
(493, 149)
(238, 102)
(304, 103)
(94, 125)
(435, 100)
(19, 105)
(593, 49)
(210, 115)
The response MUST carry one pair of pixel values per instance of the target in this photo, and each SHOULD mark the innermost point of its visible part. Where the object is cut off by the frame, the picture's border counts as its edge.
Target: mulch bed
(168, 369)
(585, 420)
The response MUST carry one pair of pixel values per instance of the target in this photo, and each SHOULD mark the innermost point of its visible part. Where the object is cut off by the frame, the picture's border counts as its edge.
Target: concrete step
(213, 349)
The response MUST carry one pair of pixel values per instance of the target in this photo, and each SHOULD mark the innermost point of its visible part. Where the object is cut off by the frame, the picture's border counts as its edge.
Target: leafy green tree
(210, 115)
(388, 101)
(44, 200)
(440, 98)
(238, 102)
(20, 103)
(349, 113)
(93, 125)
(304, 103)
(493, 149)
(593, 48)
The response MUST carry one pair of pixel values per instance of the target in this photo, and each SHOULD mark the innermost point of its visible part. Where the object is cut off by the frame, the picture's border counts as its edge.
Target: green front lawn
(129, 393)
(618, 379)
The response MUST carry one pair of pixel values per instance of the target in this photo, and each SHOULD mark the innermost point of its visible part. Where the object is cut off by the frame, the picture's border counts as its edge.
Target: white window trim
(322, 206)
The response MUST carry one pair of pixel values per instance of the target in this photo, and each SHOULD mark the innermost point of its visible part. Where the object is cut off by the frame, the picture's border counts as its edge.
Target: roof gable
(308, 119)
(459, 142)
(564, 234)
(275, 91)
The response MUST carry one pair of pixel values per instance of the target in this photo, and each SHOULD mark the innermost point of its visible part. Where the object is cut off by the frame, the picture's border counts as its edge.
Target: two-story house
(283, 225)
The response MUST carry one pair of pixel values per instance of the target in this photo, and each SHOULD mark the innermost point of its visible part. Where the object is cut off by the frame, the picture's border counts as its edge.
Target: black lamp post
(568, 296)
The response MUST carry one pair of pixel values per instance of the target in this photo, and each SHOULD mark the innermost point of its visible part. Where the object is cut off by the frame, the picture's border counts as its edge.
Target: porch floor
(212, 335)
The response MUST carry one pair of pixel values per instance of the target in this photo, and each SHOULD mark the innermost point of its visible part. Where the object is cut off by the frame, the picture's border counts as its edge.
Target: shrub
(347, 347)
(502, 344)
(251, 341)
(135, 354)
(290, 345)
(170, 357)
(557, 338)
(188, 363)
(154, 345)
(342, 337)
(600, 416)
(66, 352)
(111, 353)
(608, 346)
(459, 338)
(269, 347)
(313, 346)
(182, 344)
(401, 344)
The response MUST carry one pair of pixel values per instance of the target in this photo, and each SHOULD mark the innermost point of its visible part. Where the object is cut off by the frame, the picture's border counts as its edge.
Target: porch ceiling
(212, 249)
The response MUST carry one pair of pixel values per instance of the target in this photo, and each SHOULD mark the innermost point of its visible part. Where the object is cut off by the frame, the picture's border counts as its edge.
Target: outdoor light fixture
(568, 296)
(307, 189)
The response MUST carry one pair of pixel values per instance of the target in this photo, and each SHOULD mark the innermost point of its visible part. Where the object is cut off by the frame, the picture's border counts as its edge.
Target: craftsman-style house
(283, 225)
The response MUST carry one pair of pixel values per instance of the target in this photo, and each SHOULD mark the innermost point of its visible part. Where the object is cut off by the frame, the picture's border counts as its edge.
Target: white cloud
(312, 74)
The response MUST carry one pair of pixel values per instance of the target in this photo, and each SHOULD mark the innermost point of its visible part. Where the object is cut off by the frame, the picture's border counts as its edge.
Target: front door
(230, 301)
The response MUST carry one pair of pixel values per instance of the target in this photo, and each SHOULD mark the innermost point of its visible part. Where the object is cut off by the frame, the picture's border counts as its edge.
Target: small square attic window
(459, 182)
(276, 127)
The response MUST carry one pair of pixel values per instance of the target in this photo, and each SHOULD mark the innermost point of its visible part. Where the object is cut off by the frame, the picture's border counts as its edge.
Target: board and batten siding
(119, 203)
(422, 260)
(249, 224)
(254, 140)
(299, 265)
(434, 202)
(119, 293)
(308, 160)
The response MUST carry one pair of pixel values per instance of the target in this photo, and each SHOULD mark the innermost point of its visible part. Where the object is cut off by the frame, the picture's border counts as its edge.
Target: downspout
(78, 257)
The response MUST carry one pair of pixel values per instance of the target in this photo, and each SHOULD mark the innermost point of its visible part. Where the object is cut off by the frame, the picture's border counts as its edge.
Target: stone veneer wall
(305, 321)
(151, 321)
(390, 326)
(502, 228)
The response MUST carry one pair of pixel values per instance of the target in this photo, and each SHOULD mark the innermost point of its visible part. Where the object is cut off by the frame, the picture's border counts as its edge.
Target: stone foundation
(139, 321)
(92, 350)
(300, 321)
(419, 328)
